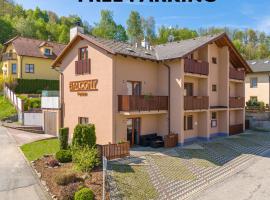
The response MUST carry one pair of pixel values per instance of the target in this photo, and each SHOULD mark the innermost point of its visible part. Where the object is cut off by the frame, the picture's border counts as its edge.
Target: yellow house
(28, 58)
(258, 82)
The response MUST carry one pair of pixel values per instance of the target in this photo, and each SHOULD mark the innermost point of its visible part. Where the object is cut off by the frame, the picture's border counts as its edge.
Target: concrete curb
(34, 172)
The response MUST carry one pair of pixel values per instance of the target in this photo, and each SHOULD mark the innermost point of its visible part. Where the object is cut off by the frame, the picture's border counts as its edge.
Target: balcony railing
(237, 75)
(196, 67)
(8, 56)
(128, 103)
(196, 103)
(236, 129)
(237, 102)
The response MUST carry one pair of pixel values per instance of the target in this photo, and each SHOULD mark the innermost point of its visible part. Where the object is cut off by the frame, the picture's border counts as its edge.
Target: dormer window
(47, 52)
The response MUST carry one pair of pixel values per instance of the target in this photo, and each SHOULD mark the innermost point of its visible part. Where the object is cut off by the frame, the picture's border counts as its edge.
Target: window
(214, 60)
(83, 53)
(188, 122)
(83, 120)
(47, 52)
(254, 99)
(14, 68)
(214, 88)
(188, 87)
(29, 68)
(134, 87)
(213, 119)
(254, 82)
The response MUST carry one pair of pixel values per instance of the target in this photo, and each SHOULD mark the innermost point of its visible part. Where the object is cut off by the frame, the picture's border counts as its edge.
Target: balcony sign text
(83, 86)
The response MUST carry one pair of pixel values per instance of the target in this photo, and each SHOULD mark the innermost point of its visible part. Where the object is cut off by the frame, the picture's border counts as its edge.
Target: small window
(83, 53)
(254, 82)
(214, 60)
(188, 122)
(213, 119)
(83, 120)
(214, 88)
(14, 68)
(47, 52)
(188, 89)
(29, 68)
(254, 99)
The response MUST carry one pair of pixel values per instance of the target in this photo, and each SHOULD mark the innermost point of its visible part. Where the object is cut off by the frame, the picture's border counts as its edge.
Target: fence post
(104, 162)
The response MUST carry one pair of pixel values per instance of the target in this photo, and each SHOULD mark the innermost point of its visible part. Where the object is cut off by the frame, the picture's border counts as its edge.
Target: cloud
(264, 24)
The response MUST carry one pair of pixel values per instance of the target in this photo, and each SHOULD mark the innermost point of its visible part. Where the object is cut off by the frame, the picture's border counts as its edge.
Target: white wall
(33, 119)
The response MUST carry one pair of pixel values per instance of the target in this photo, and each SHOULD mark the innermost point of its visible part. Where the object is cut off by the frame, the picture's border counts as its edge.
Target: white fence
(33, 119)
(16, 101)
(50, 102)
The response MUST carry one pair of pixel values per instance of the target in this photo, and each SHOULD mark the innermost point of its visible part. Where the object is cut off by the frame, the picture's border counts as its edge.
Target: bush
(68, 192)
(35, 86)
(84, 194)
(85, 159)
(66, 178)
(64, 156)
(34, 103)
(63, 138)
(84, 136)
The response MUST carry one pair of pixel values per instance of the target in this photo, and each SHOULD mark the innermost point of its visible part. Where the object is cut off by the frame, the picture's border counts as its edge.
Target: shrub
(84, 194)
(85, 159)
(84, 136)
(64, 156)
(34, 103)
(68, 192)
(53, 163)
(66, 178)
(63, 138)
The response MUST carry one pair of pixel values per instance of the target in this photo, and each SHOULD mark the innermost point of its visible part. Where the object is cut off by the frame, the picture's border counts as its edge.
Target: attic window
(253, 63)
(147, 53)
(266, 62)
(47, 52)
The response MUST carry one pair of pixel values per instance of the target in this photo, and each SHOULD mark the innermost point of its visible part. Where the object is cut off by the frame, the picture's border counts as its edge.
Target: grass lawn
(134, 182)
(6, 108)
(36, 150)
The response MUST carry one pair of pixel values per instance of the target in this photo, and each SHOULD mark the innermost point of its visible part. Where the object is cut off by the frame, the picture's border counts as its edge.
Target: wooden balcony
(236, 129)
(237, 75)
(128, 103)
(196, 67)
(8, 56)
(196, 103)
(83, 67)
(237, 102)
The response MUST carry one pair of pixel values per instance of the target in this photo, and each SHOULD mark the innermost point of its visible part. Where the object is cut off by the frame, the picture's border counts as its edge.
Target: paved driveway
(16, 178)
(250, 184)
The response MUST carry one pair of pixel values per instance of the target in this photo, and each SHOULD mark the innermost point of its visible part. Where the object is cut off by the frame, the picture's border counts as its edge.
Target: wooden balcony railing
(83, 67)
(8, 56)
(237, 75)
(129, 103)
(196, 67)
(196, 103)
(237, 102)
(236, 129)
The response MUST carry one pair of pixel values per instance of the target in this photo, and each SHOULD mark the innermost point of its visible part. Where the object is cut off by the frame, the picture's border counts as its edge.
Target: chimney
(145, 44)
(75, 30)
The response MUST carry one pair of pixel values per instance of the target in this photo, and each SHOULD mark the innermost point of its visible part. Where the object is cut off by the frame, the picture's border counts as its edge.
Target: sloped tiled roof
(31, 47)
(260, 65)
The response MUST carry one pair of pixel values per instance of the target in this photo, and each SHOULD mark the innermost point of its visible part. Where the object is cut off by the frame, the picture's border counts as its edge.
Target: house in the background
(258, 82)
(194, 88)
(27, 58)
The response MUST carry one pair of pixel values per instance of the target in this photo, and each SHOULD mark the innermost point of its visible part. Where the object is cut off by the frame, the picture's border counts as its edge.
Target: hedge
(35, 86)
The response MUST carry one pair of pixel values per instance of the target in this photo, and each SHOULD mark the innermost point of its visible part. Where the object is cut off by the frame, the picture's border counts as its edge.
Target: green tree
(134, 27)
(148, 25)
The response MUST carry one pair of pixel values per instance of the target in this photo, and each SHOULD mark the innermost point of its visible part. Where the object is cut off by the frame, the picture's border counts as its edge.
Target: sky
(230, 13)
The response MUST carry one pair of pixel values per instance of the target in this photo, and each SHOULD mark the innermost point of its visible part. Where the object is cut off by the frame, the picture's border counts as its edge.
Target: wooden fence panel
(113, 151)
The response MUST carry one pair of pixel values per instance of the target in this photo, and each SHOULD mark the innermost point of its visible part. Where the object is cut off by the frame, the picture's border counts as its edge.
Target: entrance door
(134, 87)
(50, 121)
(133, 131)
(188, 89)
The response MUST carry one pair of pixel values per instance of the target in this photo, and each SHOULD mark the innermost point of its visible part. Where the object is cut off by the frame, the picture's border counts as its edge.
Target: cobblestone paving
(178, 173)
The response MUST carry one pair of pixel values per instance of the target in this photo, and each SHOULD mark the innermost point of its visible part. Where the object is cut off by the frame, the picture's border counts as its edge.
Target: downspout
(21, 67)
(169, 96)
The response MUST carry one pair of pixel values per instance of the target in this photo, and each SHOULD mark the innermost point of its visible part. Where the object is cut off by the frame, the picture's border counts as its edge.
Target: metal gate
(50, 120)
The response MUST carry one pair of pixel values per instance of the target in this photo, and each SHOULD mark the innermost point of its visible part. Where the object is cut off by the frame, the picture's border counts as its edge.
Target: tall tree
(134, 27)
(148, 25)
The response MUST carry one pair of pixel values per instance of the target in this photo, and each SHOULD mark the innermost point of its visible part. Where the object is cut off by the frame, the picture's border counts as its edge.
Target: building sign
(83, 86)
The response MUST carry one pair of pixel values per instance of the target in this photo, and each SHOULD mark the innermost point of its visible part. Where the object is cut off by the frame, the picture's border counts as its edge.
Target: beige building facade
(194, 88)
(258, 82)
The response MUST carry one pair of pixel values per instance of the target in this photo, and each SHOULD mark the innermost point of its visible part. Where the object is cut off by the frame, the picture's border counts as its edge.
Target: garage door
(50, 121)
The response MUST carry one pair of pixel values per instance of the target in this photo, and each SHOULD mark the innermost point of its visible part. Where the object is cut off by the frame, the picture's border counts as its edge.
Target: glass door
(133, 131)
